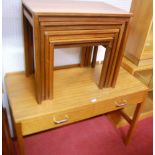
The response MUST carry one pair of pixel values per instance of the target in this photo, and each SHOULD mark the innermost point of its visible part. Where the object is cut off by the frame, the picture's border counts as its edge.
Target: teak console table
(48, 25)
(81, 99)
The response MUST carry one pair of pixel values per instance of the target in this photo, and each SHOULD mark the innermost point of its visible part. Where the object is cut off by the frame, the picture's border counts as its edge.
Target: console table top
(68, 6)
(69, 92)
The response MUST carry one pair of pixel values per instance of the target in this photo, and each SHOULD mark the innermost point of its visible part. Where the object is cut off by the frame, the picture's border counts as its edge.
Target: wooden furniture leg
(39, 67)
(83, 56)
(120, 55)
(94, 56)
(133, 122)
(112, 63)
(105, 67)
(86, 56)
(28, 47)
(51, 70)
(20, 141)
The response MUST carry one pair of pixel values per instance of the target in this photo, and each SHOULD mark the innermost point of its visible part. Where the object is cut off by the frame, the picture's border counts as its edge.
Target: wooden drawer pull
(61, 121)
(121, 104)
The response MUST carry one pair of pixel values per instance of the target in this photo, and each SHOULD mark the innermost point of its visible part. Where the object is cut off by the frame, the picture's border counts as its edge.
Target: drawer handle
(61, 121)
(121, 104)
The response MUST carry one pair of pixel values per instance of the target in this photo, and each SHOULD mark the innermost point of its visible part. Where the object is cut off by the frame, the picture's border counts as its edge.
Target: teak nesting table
(81, 99)
(48, 25)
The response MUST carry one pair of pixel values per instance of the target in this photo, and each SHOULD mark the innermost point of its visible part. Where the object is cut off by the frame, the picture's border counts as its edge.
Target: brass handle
(122, 104)
(61, 121)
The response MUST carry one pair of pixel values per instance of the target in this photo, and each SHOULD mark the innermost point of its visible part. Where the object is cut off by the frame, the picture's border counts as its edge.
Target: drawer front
(118, 103)
(48, 121)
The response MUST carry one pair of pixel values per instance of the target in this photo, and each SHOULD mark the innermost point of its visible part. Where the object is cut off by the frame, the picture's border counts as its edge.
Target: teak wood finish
(62, 24)
(86, 100)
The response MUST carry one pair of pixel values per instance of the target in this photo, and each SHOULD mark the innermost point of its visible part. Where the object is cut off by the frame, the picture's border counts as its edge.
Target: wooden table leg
(20, 140)
(94, 56)
(39, 65)
(28, 47)
(120, 55)
(83, 56)
(133, 122)
(51, 72)
(86, 56)
(105, 66)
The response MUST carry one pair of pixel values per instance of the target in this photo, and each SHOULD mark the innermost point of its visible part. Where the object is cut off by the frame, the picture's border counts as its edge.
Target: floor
(95, 136)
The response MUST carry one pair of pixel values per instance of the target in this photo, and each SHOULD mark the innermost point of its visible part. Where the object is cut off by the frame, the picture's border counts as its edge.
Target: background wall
(12, 40)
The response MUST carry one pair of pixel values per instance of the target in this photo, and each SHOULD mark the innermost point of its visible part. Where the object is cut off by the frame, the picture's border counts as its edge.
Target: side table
(80, 100)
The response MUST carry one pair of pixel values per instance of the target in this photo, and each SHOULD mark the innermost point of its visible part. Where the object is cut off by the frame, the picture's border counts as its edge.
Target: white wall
(12, 39)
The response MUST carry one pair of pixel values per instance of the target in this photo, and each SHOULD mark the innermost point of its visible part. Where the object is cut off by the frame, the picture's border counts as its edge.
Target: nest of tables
(67, 29)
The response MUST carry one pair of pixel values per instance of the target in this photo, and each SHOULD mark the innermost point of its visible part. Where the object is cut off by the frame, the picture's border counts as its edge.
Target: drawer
(48, 121)
(53, 120)
(118, 103)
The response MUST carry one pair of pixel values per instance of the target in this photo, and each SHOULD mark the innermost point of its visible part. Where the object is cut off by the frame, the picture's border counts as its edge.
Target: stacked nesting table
(48, 25)
(71, 95)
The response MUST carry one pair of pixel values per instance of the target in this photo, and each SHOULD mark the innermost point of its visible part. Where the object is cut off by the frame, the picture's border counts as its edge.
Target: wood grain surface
(68, 6)
(69, 92)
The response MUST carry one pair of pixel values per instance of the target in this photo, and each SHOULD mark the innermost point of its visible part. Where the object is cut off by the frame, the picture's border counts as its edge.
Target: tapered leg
(133, 122)
(20, 141)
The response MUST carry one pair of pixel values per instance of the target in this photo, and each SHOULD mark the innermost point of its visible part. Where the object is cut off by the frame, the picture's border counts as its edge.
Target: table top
(72, 6)
(74, 87)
